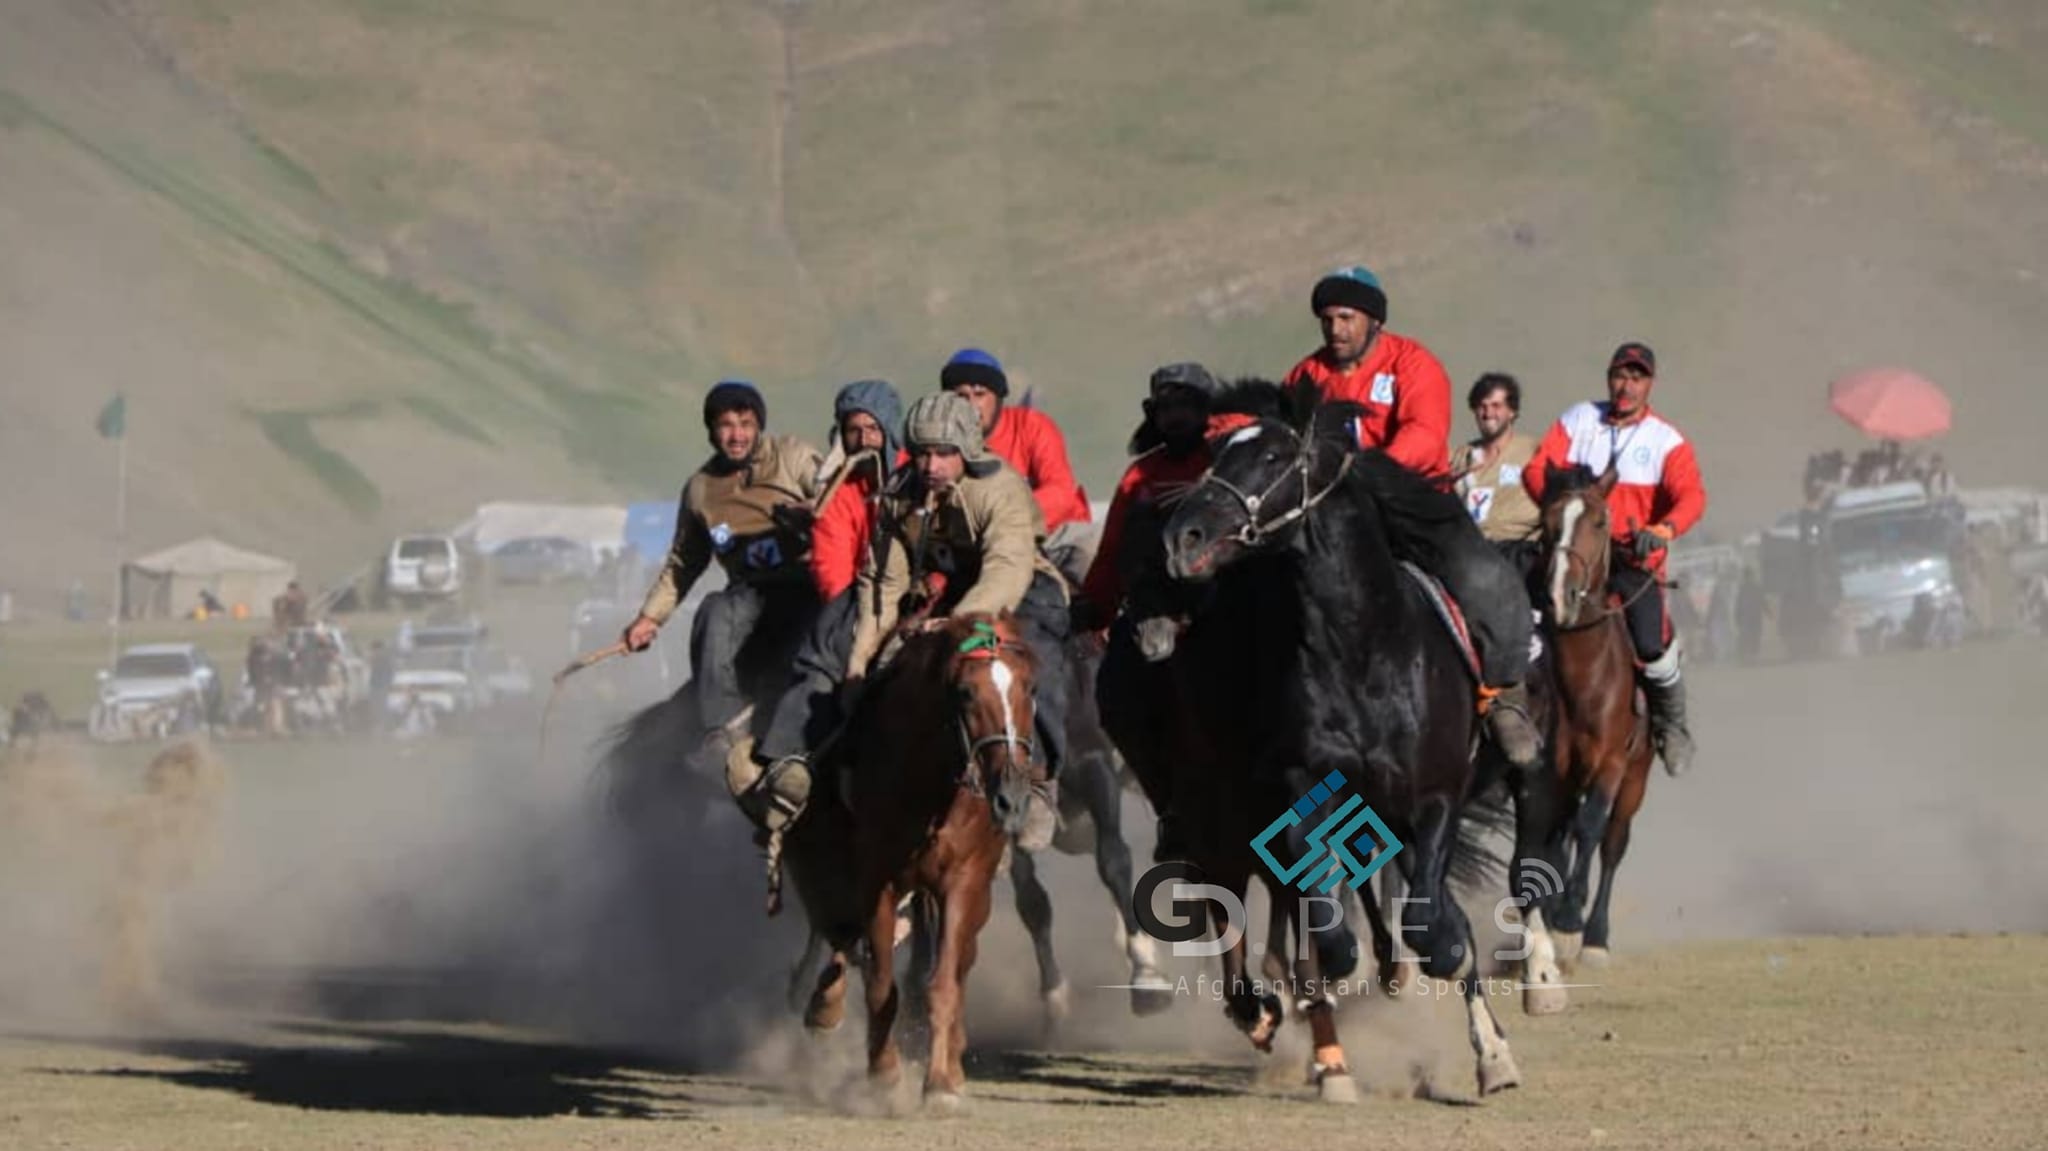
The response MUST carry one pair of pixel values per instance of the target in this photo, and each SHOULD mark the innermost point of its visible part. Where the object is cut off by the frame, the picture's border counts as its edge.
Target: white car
(447, 675)
(421, 568)
(155, 691)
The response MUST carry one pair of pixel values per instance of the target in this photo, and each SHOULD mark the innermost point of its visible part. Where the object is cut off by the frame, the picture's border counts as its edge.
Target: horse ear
(1303, 400)
(1607, 481)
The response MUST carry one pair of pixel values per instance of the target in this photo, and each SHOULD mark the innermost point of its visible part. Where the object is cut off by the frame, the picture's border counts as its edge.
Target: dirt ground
(1829, 935)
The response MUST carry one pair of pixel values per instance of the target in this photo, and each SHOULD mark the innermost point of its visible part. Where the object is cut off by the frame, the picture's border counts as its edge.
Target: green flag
(113, 421)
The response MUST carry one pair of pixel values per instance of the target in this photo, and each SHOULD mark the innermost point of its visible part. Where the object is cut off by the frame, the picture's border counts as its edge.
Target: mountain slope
(472, 249)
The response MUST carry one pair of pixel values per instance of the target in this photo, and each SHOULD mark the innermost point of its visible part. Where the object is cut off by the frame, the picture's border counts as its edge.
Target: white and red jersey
(1657, 479)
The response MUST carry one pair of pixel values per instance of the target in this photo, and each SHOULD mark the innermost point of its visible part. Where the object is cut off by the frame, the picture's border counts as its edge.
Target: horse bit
(1253, 532)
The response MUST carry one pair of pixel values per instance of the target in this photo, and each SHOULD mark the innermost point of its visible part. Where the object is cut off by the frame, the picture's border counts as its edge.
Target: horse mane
(1401, 493)
(928, 653)
(1244, 396)
(1569, 478)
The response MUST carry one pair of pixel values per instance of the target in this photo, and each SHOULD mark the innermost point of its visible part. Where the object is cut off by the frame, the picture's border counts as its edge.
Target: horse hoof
(1542, 1000)
(1594, 958)
(1568, 944)
(1148, 1001)
(1497, 1073)
(1337, 1087)
(942, 1102)
(1059, 1003)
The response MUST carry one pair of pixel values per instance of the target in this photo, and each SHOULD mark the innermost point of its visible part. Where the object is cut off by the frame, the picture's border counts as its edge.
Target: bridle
(1254, 532)
(986, 644)
(1582, 592)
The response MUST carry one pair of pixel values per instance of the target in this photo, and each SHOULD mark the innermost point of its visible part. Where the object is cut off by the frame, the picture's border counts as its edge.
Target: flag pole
(120, 544)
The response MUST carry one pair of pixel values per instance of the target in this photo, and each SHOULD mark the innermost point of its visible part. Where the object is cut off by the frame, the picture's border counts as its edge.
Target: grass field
(1854, 1043)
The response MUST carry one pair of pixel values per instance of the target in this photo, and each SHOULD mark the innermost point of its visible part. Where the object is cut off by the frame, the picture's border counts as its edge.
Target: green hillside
(363, 264)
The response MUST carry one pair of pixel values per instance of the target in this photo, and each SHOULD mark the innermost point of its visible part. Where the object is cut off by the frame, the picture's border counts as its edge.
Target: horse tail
(1478, 864)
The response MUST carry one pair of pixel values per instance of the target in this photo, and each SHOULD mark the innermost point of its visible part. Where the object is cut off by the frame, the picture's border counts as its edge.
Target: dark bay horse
(937, 767)
(1343, 667)
(1091, 823)
(1601, 744)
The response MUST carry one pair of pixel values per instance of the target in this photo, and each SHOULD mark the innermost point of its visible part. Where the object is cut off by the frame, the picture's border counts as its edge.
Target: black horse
(1343, 666)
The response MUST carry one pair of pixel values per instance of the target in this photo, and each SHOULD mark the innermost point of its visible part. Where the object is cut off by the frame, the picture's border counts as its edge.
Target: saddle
(1449, 614)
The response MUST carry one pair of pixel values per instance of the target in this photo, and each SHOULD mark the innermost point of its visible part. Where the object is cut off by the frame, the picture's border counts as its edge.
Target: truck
(1873, 568)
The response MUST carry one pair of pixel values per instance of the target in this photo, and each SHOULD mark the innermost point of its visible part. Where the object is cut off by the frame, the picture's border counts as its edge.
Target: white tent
(599, 527)
(168, 583)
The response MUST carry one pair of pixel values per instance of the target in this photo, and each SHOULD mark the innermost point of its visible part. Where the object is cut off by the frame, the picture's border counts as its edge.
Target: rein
(1254, 532)
(987, 645)
(1603, 611)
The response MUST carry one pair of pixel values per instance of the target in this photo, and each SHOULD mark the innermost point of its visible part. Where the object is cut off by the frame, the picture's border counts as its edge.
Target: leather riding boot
(1509, 723)
(772, 795)
(1667, 724)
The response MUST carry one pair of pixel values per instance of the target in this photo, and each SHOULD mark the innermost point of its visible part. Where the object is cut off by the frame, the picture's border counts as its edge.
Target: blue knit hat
(1353, 287)
(974, 366)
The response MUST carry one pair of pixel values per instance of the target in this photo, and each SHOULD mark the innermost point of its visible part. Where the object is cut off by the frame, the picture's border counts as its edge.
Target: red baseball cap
(1633, 355)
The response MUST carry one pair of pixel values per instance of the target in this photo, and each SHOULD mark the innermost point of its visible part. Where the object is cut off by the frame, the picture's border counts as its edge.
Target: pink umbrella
(1890, 404)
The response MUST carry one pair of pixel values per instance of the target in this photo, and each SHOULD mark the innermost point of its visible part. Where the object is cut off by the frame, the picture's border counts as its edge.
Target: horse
(1354, 678)
(937, 774)
(1601, 743)
(1091, 822)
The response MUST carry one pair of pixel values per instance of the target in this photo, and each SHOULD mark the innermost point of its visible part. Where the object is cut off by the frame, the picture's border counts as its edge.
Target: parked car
(421, 568)
(447, 675)
(542, 560)
(154, 691)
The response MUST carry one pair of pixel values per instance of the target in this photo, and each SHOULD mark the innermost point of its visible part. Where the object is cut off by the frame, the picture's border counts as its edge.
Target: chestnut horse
(937, 767)
(1602, 739)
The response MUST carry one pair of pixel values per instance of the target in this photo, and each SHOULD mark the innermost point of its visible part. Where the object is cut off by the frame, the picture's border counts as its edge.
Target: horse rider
(729, 512)
(1657, 497)
(957, 532)
(867, 417)
(1406, 397)
(1487, 470)
(1031, 443)
(1170, 452)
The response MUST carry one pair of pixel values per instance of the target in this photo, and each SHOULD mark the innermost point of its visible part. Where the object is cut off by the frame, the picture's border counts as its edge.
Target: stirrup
(783, 792)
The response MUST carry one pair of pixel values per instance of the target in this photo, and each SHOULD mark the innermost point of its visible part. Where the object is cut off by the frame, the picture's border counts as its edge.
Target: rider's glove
(1649, 541)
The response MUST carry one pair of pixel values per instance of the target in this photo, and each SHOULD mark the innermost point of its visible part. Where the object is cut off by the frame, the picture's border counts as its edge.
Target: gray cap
(1192, 376)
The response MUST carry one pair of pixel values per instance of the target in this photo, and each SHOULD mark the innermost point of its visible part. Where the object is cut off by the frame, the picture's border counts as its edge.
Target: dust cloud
(462, 880)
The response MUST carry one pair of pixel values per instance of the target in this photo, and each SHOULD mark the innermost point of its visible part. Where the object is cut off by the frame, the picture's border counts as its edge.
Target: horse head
(1577, 540)
(1263, 480)
(991, 672)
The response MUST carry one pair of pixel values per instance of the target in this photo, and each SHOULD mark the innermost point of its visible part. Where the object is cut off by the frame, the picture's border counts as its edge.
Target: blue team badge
(1511, 475)
(1383, 388)
(721, 536)
(1643, 455)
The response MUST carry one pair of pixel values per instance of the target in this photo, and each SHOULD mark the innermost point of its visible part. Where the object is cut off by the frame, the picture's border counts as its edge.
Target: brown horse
(1602, 742)
(937, 770)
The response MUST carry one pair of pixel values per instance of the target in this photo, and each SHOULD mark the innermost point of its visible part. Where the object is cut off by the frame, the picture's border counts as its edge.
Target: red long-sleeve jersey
(840, 534)
(1151, 475)
(1406, 396)
(1028, 441)
(1657, 481)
